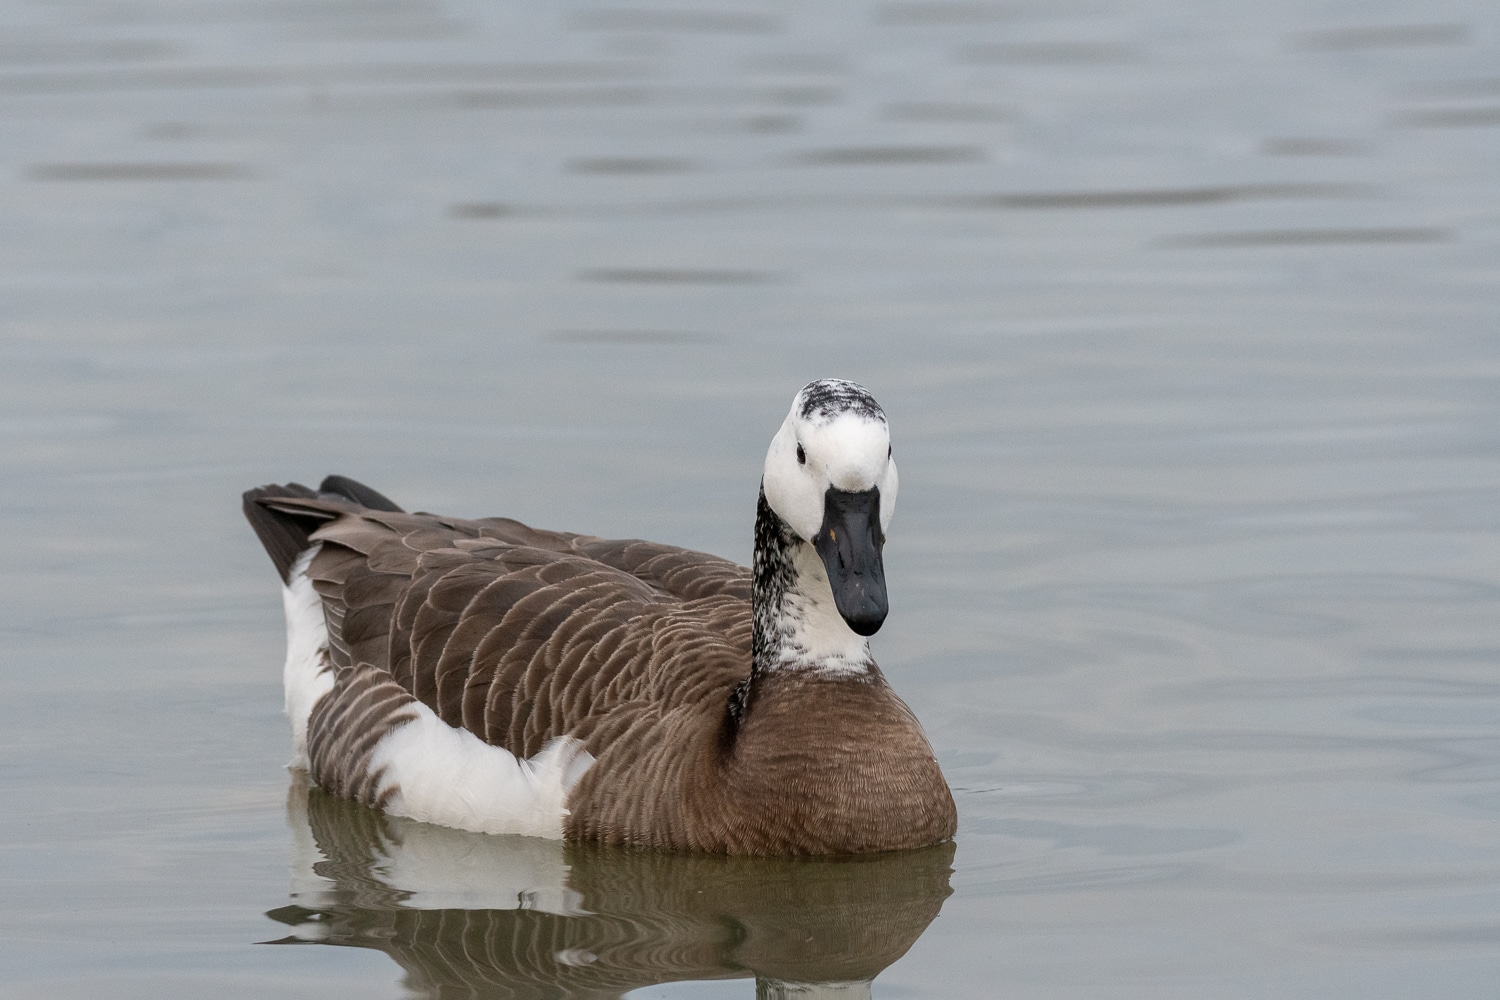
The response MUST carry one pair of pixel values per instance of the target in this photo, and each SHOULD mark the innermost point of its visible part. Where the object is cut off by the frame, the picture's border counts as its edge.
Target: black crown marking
(831, 397)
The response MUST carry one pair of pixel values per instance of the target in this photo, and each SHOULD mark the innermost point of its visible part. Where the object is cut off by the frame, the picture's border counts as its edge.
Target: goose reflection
(481, 916)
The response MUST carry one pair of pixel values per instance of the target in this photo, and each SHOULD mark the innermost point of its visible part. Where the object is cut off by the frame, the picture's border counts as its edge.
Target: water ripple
(687, 21)
(111, 172)
(1383, 37)
(676, 276)
(1381, 236)
(1157, 197)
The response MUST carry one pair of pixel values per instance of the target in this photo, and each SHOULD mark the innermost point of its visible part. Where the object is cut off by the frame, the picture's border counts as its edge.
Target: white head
(830, 476)
(835, 436)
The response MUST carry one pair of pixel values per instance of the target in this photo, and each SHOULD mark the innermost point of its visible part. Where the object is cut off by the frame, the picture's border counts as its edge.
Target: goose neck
(795, 623)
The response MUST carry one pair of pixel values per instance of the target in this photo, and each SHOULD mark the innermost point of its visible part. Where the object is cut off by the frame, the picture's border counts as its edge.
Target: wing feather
(516, 634)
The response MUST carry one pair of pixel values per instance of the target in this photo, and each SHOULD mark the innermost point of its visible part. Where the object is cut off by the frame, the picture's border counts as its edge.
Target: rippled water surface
(1187, 318)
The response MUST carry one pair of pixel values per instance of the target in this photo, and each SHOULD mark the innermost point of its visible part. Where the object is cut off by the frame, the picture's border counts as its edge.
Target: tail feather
(358, 492)
(285, 533)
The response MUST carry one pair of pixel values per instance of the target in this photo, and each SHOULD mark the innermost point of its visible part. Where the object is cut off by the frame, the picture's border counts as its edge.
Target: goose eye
(888, 452)
(801, 456)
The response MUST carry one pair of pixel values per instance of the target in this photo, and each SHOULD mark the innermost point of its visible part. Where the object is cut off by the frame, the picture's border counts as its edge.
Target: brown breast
(821, 765)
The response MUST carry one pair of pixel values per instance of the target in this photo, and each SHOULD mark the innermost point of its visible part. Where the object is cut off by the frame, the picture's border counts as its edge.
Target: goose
(497, 678)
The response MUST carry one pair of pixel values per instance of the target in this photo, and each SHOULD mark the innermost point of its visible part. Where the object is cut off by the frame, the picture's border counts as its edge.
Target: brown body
(523, 636)
(819, 766)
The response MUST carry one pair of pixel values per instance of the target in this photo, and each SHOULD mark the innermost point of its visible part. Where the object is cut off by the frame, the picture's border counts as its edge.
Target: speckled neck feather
(775, 621)
(772, 574)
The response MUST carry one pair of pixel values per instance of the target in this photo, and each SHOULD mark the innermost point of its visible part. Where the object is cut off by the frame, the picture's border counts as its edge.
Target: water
(1185, 317)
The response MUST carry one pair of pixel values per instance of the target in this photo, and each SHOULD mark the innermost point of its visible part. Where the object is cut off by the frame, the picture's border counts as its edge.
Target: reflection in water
(470, 915)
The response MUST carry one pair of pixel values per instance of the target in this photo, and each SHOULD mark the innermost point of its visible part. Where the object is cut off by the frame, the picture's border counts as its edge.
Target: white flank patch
(307, 675)
(453, 778)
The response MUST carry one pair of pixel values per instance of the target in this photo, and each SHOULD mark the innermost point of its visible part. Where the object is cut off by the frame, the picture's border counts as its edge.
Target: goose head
(830, 476)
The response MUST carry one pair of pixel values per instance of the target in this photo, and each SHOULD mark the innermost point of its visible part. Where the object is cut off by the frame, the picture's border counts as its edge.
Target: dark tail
(348, 489)
(285, 533)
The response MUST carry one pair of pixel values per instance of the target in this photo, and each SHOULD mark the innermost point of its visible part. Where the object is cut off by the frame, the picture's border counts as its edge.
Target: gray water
(1185, 317)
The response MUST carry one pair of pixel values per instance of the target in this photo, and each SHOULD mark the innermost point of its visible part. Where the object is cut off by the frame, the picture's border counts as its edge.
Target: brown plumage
(641, 651)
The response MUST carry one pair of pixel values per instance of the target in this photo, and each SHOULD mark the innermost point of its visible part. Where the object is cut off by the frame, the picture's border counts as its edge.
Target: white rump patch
(308, 675)
(453, 778)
